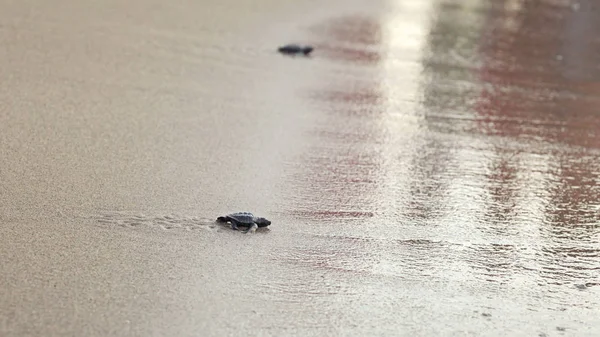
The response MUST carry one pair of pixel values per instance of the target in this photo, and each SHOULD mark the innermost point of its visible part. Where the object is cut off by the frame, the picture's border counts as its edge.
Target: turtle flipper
(234, 225)
(252, 229)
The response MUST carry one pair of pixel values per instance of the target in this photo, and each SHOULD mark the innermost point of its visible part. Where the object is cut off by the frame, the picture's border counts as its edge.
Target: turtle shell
(242, 217)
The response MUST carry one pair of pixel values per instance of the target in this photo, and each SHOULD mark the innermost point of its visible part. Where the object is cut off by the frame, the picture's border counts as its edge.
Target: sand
(430, 171)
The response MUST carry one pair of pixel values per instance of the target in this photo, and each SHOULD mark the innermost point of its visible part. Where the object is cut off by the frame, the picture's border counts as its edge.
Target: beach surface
(432, 169)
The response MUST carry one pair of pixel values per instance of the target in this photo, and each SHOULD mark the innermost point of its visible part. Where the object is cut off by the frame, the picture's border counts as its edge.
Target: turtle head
(306, 50)
(262, 222)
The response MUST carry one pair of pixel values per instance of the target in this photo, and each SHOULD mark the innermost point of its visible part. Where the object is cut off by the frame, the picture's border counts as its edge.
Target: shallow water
(431, 170)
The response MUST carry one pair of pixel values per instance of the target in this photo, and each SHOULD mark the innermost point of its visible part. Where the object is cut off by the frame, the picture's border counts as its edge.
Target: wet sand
(432, 170)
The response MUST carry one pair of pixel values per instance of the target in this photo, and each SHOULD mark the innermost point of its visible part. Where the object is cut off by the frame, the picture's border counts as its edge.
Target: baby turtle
(294, 49)
(245, 219)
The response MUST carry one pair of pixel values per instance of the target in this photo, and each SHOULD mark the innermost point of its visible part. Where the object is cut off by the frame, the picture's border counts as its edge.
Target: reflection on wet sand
(492, 162)
(535, 97)
(339, 177)
(353, 39)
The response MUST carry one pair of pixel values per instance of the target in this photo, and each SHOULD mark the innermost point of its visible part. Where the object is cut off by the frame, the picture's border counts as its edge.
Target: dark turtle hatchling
(244, 219)
(294, 49)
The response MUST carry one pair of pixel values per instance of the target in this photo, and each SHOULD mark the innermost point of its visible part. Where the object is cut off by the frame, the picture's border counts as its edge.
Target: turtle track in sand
(165, 222)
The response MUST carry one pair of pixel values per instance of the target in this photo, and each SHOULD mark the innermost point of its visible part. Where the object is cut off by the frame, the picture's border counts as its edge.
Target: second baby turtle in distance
(295, 49)
(244, 219)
